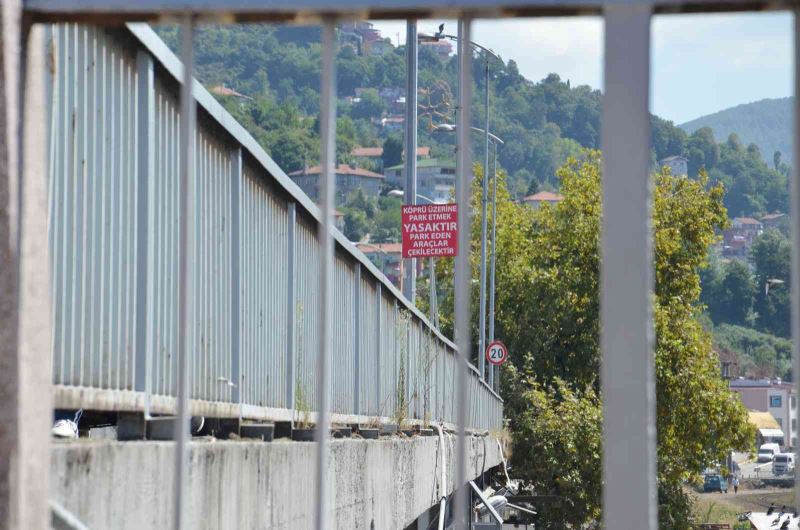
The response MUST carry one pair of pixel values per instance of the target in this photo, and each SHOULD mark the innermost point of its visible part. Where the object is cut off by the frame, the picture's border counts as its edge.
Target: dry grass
(724, 508)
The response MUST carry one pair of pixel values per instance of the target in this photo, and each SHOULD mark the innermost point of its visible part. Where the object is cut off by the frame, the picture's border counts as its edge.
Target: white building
(774, 396)
(436, 179)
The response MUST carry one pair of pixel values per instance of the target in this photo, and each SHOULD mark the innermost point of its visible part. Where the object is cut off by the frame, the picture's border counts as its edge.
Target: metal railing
(629, 500)
(253, 327)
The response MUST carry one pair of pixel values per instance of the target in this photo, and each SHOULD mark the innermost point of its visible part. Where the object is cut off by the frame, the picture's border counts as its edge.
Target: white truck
(783, 464)
(767, 451)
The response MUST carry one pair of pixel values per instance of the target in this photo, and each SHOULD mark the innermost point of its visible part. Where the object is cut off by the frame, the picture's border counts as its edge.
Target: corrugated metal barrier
(114, 226)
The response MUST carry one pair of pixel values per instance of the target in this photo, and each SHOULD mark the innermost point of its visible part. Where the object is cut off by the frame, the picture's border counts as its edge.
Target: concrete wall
(375, 484)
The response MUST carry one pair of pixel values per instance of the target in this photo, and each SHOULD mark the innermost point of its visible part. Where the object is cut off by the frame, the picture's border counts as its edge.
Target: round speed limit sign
(496, 353)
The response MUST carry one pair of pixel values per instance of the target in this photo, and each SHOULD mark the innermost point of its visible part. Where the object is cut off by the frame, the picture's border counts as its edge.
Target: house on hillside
(378, 47)
(436, 179)
(738, 239)
(227, 92)
(348, 179)
(372, 157)
(362, 36)
(393, 123)
(388, 257)
(678, 165)
(777, 220)
(443, 48)
(536, 200)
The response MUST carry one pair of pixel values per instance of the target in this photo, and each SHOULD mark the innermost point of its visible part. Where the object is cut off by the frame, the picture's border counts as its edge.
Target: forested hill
(766, 123)
(542, 123)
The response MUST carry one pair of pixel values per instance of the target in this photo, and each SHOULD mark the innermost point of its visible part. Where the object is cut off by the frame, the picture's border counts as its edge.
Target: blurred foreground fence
(114, 215)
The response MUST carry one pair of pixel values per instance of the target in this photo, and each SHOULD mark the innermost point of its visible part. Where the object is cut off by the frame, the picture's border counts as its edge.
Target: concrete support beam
(24, 277)
(382, 484)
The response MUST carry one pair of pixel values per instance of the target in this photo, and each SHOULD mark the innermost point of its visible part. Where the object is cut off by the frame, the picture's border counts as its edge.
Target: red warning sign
(430, 230)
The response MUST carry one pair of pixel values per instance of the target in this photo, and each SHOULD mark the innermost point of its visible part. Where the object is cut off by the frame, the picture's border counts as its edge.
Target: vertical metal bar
(484, 203)
(462, 265)
(24, 276)
(409, 284)
(185, 247)
(357, 339)
(291, 303)
(235, 309)
(795, 219)
(145, 172)
(378, 339)
(492, 269)
(628, 383)
(327, 190)
(432, 292)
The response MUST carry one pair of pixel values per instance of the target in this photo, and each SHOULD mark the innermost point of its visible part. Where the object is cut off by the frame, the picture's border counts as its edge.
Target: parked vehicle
(783, 464)
(715, 483)
(767, 451)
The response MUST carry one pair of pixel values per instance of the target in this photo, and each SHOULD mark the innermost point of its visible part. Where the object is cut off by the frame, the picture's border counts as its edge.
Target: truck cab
(767, 451)
(783, 464)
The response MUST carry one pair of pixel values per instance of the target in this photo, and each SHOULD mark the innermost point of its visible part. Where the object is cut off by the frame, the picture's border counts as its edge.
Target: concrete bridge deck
(375, 484)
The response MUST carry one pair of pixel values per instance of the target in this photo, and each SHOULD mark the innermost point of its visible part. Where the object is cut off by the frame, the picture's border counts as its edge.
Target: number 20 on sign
(496, 353)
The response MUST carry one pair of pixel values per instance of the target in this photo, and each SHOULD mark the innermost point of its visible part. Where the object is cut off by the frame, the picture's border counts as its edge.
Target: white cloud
(570, 47)
(701, 63)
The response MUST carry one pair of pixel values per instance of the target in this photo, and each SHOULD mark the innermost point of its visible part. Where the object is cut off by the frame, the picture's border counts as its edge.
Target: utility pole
(409, 283)
(484, 202)
(492, 268)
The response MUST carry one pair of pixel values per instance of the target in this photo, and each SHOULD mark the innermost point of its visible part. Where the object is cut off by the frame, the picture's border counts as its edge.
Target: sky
(700, 63)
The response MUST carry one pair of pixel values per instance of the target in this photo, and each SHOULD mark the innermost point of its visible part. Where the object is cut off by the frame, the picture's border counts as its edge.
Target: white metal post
(626, 279)
(795, 219)
(410, 281)
(432, 301)
(25, 312)
(145, 173)
(327, 190)
(185, 248)
(462, 266)
(291, 304)
(237, 175)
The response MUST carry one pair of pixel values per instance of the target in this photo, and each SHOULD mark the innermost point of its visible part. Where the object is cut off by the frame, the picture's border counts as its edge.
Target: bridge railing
(113, 233)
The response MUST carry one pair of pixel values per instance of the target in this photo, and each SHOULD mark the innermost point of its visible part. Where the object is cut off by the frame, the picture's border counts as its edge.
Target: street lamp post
(484, 200)
(450, 128)
(493, 260)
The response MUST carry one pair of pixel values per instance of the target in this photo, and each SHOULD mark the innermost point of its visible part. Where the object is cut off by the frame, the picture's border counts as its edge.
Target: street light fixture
(451, 128)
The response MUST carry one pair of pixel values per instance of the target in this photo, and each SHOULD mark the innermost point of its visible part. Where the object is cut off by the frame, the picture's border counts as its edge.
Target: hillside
(275, 71)
(766, 123)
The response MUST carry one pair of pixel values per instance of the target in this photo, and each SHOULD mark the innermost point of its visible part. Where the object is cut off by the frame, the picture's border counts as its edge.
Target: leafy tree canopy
(548, 314)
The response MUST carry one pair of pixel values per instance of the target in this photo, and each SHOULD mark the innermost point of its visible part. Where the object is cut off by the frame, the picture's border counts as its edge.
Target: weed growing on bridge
(401, 401)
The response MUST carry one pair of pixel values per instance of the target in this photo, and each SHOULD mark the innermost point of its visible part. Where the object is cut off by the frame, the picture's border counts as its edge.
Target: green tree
(392, 151)
(771, 258)
(548, 314)
(703, 150)
(355, 224)
(733, 300)
(370, 105)
(387, 221)
(562, 429)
